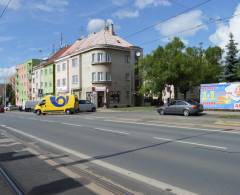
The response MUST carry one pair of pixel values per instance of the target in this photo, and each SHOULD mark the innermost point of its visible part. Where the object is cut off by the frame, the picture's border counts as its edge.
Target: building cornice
(102, 46)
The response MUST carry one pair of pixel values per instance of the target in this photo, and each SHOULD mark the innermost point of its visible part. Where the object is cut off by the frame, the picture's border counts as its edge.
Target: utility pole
(5, 93)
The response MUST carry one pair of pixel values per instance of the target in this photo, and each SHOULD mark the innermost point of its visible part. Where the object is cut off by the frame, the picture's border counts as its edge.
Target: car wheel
(38, 112)
(93, 109)
(68, 112)
(161, 112)
(186, 113)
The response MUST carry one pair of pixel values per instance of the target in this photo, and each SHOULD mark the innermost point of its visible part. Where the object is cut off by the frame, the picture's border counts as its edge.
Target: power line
(171, 17)
(5, 9)
(225, 19)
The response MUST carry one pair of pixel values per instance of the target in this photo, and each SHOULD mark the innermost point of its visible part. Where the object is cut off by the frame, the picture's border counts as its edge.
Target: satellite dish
(138, 54)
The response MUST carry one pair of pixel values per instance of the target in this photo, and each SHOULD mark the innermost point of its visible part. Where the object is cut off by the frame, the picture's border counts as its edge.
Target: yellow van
(68, 104)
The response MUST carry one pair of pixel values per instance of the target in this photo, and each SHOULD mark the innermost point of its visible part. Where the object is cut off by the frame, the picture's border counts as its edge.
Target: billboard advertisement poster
(221, 96)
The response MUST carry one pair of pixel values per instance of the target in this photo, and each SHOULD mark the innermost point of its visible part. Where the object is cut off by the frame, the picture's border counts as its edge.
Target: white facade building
(100, 68)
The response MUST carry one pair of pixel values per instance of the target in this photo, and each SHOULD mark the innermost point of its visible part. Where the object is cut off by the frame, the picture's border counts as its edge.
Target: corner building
(99, 68)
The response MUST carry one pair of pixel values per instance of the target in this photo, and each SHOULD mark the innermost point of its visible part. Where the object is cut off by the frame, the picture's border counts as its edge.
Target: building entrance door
(100, 98)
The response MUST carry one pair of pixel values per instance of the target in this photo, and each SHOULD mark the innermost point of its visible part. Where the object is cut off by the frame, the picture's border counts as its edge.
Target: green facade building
(23, 81)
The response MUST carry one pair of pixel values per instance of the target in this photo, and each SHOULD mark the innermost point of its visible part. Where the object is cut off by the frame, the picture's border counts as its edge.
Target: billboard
(220, 96)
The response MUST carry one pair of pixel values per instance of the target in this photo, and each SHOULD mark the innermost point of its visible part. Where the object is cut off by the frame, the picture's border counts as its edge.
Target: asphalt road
(184, 159)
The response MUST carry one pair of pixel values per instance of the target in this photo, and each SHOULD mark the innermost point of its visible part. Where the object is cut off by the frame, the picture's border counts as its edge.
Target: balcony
(102, 82)
(101, 62)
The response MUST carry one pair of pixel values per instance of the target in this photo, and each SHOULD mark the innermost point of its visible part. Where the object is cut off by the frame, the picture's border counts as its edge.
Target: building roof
(53, 57)
(104, 37)
(56, 55)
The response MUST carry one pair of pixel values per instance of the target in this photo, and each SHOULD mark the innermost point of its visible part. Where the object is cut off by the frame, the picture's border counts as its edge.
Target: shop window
(114, 97)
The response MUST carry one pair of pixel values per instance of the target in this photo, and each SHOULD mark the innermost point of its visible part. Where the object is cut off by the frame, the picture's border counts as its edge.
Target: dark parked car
(188, 107)
(2, 109)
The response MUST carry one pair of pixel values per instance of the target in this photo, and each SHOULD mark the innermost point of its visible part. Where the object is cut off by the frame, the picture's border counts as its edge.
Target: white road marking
(99, 129)
(190, 143)
(70, 124)
(112, 131)
(6, 140)
(133, 175)
(173, 126)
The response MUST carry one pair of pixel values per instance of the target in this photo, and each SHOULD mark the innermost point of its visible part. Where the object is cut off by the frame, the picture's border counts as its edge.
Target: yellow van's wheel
(68, 112)
(38, 112)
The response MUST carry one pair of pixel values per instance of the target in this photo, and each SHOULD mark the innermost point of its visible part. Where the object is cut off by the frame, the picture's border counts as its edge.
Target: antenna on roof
(106, 25)
(53, 48)
(61, 40)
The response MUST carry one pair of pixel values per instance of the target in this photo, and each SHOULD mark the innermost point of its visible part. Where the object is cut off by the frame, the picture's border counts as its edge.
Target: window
(126, 59)
(180, 103)
(114, 97)
(33, 80)
(63, 66)
(172, 103)
(50, 70)
(74, 62)
(50, 84)
(64, 82)
(45, 71)
(37, 85)
(58, 67)
(94, 76)
(127, 76)
(58, 82)
(75, 79)
(100, 76)
(41, 84)
(33, 90)
(41, 72)
(45, 84)
(93, 57)
(82, 101)
(108, 57)
(108, 76)
(100, 57)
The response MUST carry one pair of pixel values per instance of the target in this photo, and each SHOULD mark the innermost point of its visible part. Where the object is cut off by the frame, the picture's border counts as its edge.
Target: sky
(32, 28)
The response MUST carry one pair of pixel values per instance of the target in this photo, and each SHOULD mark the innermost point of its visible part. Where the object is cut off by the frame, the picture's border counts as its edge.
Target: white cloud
(7, 72)
(126, 13)
(6, 38)
(14, 4)
(51, 5)
(141, 4)
(221, 36)
(119, 2)
(175, 26)
(97, 24)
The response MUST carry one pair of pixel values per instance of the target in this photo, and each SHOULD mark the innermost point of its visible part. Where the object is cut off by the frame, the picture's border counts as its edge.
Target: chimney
(111, 29)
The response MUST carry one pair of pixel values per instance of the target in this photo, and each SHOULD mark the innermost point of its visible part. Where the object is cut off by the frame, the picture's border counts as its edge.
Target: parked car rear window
(82, 101)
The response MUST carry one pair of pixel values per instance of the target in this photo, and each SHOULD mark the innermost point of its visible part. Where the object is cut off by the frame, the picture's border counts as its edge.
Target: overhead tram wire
(223, 20)
(169, 18)
(5, 8)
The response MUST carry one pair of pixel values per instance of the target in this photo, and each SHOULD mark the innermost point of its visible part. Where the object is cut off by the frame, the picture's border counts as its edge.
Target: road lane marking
(71, 124)
(173, 126)
(112, 131)
(190, 143)
(133, 175)
(99, 129)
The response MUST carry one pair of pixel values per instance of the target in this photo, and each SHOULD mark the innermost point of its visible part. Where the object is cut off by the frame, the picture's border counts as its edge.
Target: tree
(10, 94)
(183, 67)
(231, 60)
(213, 68)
